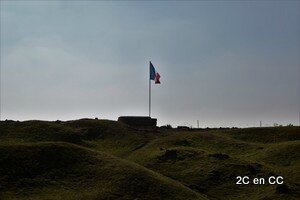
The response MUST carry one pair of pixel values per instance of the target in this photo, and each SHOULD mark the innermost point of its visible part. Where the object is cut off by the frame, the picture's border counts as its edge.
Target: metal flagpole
(149, 90)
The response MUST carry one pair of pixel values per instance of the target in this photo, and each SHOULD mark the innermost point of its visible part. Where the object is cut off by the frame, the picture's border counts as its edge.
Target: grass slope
(209, 162)
(58, 170)
(177, 164)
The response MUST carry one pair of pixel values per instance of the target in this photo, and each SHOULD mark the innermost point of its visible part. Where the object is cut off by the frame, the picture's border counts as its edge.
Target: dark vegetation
(102, 159)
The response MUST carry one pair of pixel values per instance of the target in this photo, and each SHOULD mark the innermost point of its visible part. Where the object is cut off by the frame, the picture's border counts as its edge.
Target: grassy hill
(102, 159)
(58, 170)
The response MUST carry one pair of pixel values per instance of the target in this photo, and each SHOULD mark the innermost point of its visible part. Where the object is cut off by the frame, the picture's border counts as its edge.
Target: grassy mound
(103, 135)
(52, 170)
(36, 131)
(209, 162)
(102, 159)
(266, 135)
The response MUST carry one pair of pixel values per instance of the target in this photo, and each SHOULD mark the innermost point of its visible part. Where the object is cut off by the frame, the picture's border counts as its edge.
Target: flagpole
(149, 90)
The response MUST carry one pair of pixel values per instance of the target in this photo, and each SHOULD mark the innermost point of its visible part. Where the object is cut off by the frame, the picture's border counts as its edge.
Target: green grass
(52, 169)
(102, 159)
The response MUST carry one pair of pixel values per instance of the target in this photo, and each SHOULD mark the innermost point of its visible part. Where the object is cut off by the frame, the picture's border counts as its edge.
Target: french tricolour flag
(154, 75)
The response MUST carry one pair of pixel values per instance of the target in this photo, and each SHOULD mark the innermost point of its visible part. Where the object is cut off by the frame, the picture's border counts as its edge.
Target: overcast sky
(226, 63)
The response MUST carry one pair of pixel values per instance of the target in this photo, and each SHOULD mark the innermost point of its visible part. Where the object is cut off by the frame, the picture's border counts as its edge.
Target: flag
(152, 72)
(154, 75)
(157, 78)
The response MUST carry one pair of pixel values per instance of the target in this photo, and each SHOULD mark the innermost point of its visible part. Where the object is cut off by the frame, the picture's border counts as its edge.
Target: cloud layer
(223, 63)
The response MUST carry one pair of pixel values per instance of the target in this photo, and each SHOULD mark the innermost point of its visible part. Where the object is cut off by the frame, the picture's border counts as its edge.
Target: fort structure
(138, 121)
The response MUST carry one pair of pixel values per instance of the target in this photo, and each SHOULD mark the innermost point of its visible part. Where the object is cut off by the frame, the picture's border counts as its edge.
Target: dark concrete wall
(138, 121)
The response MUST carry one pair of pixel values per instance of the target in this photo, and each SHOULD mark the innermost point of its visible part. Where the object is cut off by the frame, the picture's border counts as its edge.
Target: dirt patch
(169, 155)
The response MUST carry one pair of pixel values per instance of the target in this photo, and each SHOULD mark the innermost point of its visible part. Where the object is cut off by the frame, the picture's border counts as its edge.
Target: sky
(224, 63)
